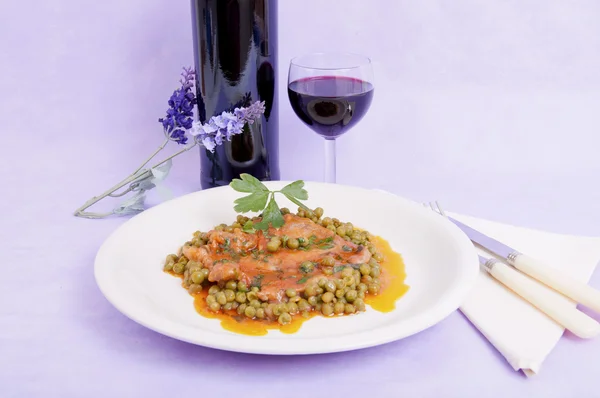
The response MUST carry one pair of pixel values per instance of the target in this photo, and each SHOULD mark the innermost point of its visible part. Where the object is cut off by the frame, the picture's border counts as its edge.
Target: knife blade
(485, 241)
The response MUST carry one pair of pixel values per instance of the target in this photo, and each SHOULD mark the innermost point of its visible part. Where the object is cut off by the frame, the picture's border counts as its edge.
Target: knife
(552, 305)
(576, 290)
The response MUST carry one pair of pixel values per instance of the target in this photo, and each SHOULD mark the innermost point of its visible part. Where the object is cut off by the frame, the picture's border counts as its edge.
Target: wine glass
(330, 93)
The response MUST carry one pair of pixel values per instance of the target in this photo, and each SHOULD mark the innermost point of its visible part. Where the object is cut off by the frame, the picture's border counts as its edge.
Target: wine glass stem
(330, 161)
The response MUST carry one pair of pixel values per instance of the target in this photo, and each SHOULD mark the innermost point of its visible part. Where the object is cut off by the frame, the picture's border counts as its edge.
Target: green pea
(250, 312)
(240, 297)
(318, 306)
(351, 296)
(320, 290)
(327, 309)
(229, 295)
(347, 272)
(184, 260)
(205, 272)
(273, 245)
(255, 303)
(342, 300)
(319, 212)
(235, 304)
(349, 309)
(285, 210)
(303, 242)
(328, 261)
(375, 272)
(241, 308)
(349, 228)
(300, 212)
(340, 293)
(373, 288)
(360, 304)
(231, 285)
(365, 269)
(171, 258)
(210, 299)
(293, 243)
(310, 290)
(378, 257)
(312, 300)
(330, 286)
(338, 308)
(336, 222)
(362, 287)
(168, 266)
(307, 267)
(292, 308)
(192, 264)
(214, 306)
(366, 279)
(290, 292)
(193, 289)
(326, 222)
(332, 228)
(264, 304)
(242, 287)
(303, 305)
(251, 295)
(277, 310)
(340, 284)
(283, 307)
(361, 295)
(284, 319)
(305, 314)
(341, 231)
(214, 289)
(322, 282)
(228, 307)
(178, 268)
(197, 277)
(328, 270)
(221, 299)
(349, 280)
(327, 297)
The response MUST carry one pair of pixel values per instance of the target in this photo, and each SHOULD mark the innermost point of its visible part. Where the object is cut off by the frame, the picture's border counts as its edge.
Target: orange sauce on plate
(392, 288)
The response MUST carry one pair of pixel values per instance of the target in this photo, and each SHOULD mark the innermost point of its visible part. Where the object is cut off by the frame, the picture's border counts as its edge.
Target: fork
(553, 306)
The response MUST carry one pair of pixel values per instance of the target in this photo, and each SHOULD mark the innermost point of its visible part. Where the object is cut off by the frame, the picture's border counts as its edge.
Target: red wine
(330, 105)
(235, 53)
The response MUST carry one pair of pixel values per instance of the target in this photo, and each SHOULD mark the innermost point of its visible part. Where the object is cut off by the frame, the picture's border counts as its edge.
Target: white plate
(441, 267)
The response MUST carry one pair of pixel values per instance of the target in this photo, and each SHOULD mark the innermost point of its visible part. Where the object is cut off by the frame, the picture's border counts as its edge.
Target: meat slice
(242, 256)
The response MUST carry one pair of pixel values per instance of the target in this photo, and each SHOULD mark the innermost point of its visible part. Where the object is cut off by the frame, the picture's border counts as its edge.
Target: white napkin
(524, 335)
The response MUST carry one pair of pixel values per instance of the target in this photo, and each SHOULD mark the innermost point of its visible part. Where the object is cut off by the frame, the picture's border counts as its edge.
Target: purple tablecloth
(81, 87)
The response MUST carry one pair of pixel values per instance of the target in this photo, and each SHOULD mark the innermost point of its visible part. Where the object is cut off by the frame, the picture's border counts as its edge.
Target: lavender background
(490, 107)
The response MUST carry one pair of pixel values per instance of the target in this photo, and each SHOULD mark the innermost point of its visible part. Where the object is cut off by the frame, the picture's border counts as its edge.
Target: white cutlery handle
(578, 291)
(560, 311)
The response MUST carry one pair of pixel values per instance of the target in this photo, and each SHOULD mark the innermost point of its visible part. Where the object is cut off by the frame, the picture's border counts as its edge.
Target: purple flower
(180, 114)
(224, 126)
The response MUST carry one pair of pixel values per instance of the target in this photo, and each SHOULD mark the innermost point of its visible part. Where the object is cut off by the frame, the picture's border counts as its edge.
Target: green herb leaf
(248, 183)
(326, 246)
(346, 248)
(295, 201)
(257, 281)
(303, 280)
(252, 202)
(338, 268)
(249, 227)
(295, 189)
(271, 215)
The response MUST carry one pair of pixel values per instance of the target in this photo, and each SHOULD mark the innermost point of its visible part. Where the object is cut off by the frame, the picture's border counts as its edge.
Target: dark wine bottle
(235, 55)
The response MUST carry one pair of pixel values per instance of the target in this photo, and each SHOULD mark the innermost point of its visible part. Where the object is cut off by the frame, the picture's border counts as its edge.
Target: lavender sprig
(226, 125)
(178, 122)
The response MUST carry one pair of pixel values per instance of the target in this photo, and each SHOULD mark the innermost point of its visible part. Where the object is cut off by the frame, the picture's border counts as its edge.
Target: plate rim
(358, 340)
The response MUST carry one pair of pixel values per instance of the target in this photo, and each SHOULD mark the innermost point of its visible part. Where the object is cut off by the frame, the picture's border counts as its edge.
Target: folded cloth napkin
(521, 333)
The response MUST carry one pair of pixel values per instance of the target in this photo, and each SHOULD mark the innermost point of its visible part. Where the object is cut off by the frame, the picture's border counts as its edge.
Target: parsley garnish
(338, 268)
(346, 248)
(262, 199)
(257, 281)
(303, 280)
